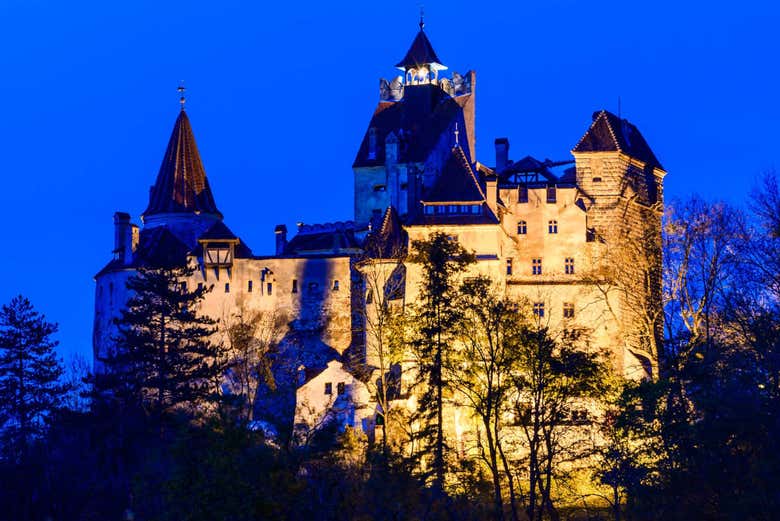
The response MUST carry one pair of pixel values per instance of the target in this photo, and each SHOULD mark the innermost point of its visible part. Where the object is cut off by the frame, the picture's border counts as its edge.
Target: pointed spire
(421, 53)
(181, 186)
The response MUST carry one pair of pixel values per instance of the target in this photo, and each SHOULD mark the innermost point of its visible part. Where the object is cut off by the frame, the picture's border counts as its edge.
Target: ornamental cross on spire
(456, 134)
(422, 17)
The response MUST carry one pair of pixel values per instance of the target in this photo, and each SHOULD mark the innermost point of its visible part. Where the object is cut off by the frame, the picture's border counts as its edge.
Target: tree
(252, 338)
(441, 260)
(554, 381)
(482, 372)
(30, 387)
(164, 358)
(384, 273)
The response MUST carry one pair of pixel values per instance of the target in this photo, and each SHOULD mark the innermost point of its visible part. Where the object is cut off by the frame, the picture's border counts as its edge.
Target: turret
(181, 199)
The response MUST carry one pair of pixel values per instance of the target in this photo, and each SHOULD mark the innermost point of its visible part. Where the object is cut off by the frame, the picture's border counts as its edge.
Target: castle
(562, 234)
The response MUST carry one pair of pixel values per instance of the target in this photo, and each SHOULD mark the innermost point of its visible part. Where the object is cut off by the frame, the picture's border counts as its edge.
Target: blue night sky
(280, 95)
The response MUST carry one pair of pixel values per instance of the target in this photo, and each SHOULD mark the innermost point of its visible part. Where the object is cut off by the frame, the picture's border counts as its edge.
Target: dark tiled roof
(420, 52)
(220, 232)
(390, 240)
(609, 133)
(328, 241)
(181, 184)
(457, 182)
(418, 120)
(157, 247)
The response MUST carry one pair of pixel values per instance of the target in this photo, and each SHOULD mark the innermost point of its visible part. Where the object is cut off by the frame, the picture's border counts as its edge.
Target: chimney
(123, 237)
(502, 154)
(281, 238)
(491, 192)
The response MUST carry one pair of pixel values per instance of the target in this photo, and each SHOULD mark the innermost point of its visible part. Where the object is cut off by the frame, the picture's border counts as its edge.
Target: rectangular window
(552, 226)
(509, 266)
(295, 286)
(249, 286)
(183, 287)
(454, 208)
(227, 287)
(380, 188)
(522, 228)
(569, 265)
(536, 266)
(200, 286)
(428, 209)
(335, 285)
(340, 388)
(328, 388)
(551, 195)
(270, 288)
(522, 194)
(596, 179)
(568, 310)
(475, 208)
(404, 186)
(539, 309)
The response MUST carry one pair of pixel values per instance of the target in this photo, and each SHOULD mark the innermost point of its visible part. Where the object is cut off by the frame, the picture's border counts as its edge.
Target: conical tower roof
(420, 53)
(181, 186)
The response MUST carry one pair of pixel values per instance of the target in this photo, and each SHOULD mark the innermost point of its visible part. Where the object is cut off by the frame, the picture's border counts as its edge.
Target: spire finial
(456, 134)
(182, 97)
(422, 17)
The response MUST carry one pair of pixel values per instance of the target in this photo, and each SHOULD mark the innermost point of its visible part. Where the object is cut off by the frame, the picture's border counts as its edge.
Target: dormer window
(218, 255)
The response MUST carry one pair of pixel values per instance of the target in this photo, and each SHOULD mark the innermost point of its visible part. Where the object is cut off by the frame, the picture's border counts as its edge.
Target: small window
(295, 286)
(200, 286)
(249, 286)
(335, 285)
(370, 297)
(552, 226)
(340, 388)
(551, 195)
(227, 287)
(475, 208)
(428, 209)
(539, 309)
(404, 186)
(509, 266)
(452, 238)
(522, 228)
(380, 188)
(536, 266)
(568, 310)
(328, 388)
(522, 194)
(183, 287)
(596, 179)
(454, 208)
(569, 265)
(269, 288)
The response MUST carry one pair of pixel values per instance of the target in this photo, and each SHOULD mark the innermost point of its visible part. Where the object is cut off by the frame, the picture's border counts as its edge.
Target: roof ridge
(466, 163)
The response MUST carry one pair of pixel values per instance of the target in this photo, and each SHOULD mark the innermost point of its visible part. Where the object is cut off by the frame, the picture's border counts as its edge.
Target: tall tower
(411, 133)
(621, 185)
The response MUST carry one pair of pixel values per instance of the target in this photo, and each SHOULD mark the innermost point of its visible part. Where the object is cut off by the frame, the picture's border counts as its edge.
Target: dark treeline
(157, 436)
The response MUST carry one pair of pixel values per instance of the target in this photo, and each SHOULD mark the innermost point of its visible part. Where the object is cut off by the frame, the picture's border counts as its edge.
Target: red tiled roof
(181, 185)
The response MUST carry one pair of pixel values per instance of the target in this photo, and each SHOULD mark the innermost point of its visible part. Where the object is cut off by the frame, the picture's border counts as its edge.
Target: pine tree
(30, 388)
(164, 358)
(441, 260)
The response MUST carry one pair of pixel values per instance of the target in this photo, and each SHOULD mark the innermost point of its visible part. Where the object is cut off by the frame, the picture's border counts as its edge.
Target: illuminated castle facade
(562, 234)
